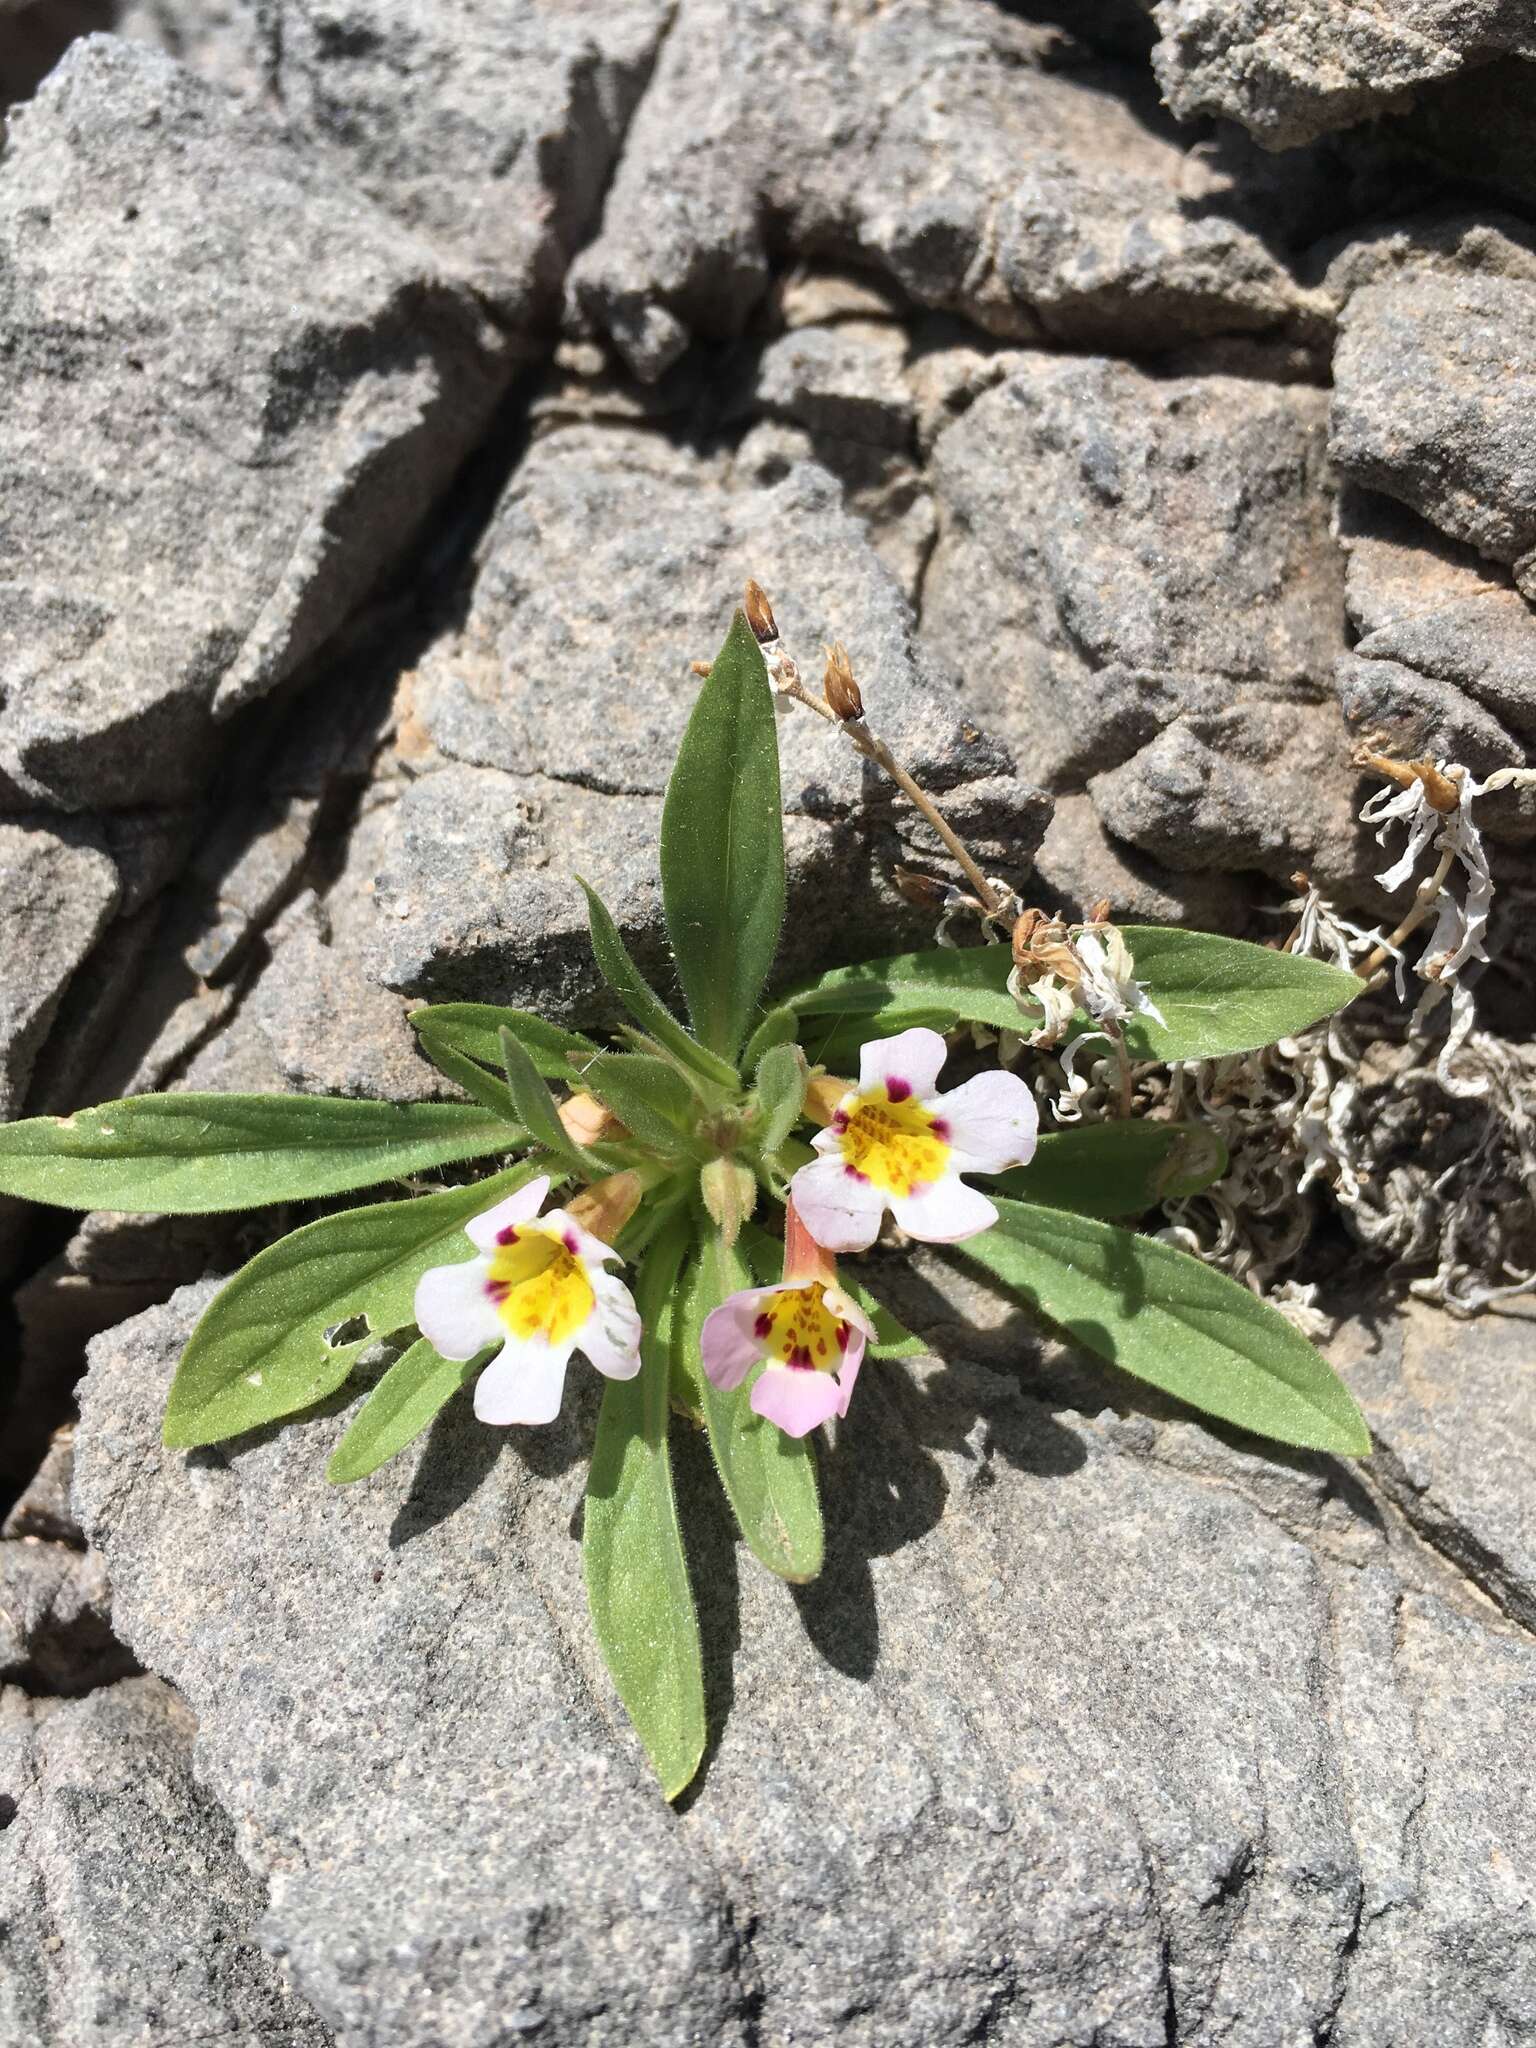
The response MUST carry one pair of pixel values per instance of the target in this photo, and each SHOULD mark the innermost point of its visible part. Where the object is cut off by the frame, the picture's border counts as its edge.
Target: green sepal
(632, 1548)
(1117, 1169)
(399, 1408)
(722, 845)
(1174, 1322)
(641, 1000)
(193, 1155)
(260, 1351)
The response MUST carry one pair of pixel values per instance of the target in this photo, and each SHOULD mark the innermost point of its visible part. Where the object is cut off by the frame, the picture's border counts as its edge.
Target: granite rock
(125, 1915)
(58, 890)
(1289, 70)
(1157, 617)
(1435, 377)
(197, 499)
(983, 163)
(1235, 1696)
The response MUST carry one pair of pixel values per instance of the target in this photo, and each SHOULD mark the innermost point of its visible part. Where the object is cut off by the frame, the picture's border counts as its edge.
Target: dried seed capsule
(759, 612)
(839, 687)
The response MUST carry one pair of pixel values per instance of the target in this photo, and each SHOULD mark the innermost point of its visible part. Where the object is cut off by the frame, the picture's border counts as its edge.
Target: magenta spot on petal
(800, 1358)
(840, 1120)
(853, 1173)
(508, 1235)
(496, 1289)
(842, 1336)
(762, 1326)
(572, 1241)
(941, 1130)
(897, 1090)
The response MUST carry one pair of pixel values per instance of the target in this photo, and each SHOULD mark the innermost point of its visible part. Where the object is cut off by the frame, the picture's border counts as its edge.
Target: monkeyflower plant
(685, 1207)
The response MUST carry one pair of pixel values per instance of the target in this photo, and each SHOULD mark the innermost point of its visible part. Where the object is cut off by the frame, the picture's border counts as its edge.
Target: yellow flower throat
(539, 1285)
(797, 1328)
(892, 1142)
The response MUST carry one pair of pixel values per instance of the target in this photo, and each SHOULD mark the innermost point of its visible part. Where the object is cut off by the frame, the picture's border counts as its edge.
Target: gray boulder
(1290, 70)
(58, 890)
(982, 163)
(1191, 1743)
(1434, 401)
(1136, 580)
(203, 499)
(125, 1915)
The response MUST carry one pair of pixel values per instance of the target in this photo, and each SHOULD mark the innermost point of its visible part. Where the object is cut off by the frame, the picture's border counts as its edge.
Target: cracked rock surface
(394, 395)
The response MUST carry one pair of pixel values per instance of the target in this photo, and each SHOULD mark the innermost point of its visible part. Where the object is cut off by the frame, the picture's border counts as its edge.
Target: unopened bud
(839, 687)
(606, 1206)
(588, 1121)
(730, 1195)
(924, 890)
(822, 1095)
(759, 612)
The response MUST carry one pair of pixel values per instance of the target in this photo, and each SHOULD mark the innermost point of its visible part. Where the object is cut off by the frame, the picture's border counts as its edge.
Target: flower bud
(699, 668)
(588, 1121)
(839, 687)
(606, 1206)
(730, 1195)
(822, 1095)
(759, 612)
(925, 891)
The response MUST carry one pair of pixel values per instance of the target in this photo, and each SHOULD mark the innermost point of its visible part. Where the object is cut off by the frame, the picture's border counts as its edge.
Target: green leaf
(189, 1155)
(399, 1408)
(1224, 995)
(473, 1032)
(632, 1547)
(650, 1098)
(769, 1478)
(781, 1079)
(777, 1028)
(722, 845)
(260, 1350)
(1218, 995)
(535, 1107)
(642, 1001)
(1117, 1169)
(1172, 1321)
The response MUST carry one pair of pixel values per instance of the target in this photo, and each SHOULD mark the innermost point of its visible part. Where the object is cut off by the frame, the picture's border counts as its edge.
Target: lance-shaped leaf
(650, 1098)
(642, 1001)
(1173, 1321)
(459, 1032)
(399, 1408)
(261, 1350)
(769, 1478)
(1217, 995)
(535, 1107)
(190, 1155)
(781, 1079)
(1117, 1169)
(722, 845)
(632, 1546)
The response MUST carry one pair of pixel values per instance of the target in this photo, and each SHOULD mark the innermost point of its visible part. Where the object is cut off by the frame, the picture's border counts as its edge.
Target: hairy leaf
(781, 1078)
(473, 1032)
(642, 1001)
(632, 1546)
(1116, 1169)
(260, 1350)
(535, 1107)
(650, 1098)
(188, 1155)
(399, 1408)
(722, 845)
(1172, 1321)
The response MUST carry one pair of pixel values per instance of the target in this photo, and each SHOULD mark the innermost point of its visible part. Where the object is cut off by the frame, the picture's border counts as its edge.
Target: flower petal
(453, 1311)
(797, 1401)
(519, 1206)
(592, 1251)
(839, 1211)
(524, 1383)
(943, 1212)
(848, 1372)
(728, 1342)
(847, 1310)
(610, 1337)
(912, 1058)
(993, 1122)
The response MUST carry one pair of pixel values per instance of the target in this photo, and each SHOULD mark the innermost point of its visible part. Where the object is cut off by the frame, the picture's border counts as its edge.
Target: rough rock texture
(977, 160)
(1290, 70)
(1142, 1712)
(125, 1915)
(57, 892)
(541, 732)
(193, 502)
(1156, 617)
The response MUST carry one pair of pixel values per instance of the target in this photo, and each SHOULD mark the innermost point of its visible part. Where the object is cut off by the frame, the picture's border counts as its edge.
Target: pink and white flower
(809, 1335)
(895, 1143)
(538, 1290)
